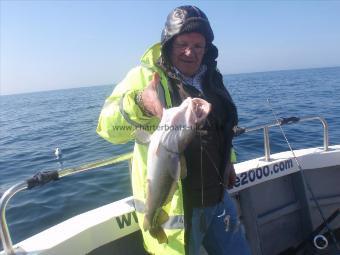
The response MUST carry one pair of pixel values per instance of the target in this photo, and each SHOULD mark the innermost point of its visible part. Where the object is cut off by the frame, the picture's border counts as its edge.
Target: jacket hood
(186, 19)
(151, 56)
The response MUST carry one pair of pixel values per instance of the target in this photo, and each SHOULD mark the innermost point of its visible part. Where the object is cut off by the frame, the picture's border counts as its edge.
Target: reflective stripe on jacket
(118, 123)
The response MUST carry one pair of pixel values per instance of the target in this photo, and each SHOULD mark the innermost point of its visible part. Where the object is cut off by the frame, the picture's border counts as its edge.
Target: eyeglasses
(182, 47)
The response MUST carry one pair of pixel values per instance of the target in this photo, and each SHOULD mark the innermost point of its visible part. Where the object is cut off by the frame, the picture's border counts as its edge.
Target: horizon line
(114, 83)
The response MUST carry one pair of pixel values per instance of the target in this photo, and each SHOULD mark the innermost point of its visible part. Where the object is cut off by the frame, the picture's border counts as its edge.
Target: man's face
(187, 52)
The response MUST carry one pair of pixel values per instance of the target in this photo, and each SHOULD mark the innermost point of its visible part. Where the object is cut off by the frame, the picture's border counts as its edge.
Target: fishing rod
(331, 232)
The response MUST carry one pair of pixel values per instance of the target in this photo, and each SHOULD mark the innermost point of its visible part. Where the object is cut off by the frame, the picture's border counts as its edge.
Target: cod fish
(175, 131)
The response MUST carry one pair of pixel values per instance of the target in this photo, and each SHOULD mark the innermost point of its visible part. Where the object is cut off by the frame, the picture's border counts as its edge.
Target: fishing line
(215, 167)
(303, 178)
(221, 181)
(203, 225)
(201, 166)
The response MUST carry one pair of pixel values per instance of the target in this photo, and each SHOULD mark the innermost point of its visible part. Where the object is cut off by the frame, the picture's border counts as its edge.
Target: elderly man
(182, 65)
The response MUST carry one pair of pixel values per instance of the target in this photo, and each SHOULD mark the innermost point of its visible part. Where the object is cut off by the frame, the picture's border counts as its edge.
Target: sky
(53, 44)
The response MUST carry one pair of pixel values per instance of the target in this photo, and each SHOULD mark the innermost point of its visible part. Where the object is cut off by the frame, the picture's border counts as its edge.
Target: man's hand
(230, 175)
(150, 97)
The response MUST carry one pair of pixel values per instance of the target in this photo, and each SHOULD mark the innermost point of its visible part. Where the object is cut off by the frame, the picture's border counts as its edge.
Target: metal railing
(42, 178)
(281, 122)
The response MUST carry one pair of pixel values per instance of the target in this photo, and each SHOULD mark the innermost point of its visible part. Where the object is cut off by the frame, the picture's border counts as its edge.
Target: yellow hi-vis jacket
(118, 123)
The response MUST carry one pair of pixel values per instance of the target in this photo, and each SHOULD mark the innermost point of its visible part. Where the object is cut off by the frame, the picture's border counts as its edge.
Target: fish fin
(175, 169)
(171, 193)
(162, 217)
(159, 234)
(146, 224)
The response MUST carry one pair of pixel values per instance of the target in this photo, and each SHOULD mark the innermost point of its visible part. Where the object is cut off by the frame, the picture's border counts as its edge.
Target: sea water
(33, 125)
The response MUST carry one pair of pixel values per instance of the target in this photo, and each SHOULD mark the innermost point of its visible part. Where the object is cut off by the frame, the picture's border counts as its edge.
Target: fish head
(196, 113)
(192, 112)
(180, 123)
(201, 109)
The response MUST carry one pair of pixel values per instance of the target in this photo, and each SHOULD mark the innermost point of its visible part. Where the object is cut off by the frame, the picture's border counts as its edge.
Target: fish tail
(159, 234)
(162, 217)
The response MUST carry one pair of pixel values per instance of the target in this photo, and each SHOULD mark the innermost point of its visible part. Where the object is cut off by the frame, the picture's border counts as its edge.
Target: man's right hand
(150, 98)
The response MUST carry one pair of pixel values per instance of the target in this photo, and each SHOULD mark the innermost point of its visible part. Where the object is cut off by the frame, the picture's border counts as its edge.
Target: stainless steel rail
(287, 121)
(5, 234)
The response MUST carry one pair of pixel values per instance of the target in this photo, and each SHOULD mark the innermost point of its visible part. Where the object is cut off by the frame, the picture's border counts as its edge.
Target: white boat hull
(275, 208)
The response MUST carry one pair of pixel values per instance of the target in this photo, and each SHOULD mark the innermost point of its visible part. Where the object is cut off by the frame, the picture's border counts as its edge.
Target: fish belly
(164, 171)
